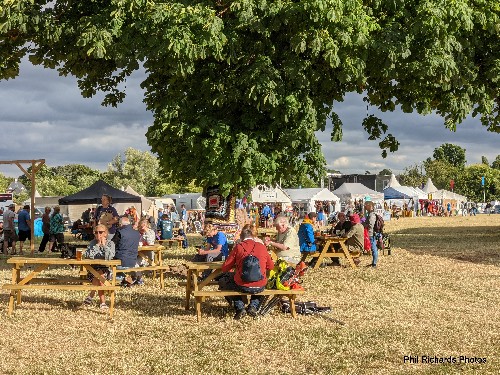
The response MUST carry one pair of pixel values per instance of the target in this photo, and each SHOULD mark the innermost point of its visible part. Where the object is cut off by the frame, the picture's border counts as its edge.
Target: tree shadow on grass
(475, 244)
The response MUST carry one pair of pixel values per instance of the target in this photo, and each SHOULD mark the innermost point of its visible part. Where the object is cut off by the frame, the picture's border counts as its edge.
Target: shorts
(24, 235)
(9, 235)
(59, 237)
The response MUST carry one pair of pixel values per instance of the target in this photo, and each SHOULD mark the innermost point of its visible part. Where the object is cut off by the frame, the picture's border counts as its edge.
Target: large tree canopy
(239, 88)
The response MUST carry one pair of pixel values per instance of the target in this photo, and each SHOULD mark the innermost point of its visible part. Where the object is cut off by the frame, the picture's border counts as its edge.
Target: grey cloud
(44, 115)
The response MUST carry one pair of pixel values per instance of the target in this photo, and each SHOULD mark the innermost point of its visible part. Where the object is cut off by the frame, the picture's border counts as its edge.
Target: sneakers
(139, 282)
(87, 301)
(104, 306)
(356, 261)
(240, 314)
(252, 311)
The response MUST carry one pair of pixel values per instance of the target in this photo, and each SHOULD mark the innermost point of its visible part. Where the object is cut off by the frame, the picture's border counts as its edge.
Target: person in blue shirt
(306, 236)
(184, 217)
(266, 214)
(166, 228)
(217, 247)
(24, 227)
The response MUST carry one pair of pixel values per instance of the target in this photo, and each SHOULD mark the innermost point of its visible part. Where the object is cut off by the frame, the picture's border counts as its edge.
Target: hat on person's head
(354, 219)
(12, 205)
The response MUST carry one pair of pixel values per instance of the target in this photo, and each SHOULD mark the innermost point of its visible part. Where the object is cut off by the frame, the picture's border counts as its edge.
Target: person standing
(370, 225)
(107, 215)
(9, 233)
(56, 229)
(184, 218)
(166, 228)
(24, 227)
(306, 236)
(266, 214)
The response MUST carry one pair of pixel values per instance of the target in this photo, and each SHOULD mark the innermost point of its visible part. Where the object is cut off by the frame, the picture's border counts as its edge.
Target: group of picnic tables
(195, 287)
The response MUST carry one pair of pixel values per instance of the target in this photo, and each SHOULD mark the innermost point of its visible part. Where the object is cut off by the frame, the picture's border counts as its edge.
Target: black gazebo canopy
(93, 194)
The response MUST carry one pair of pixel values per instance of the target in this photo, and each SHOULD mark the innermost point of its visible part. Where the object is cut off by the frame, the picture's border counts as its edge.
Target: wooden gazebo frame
(35, 167)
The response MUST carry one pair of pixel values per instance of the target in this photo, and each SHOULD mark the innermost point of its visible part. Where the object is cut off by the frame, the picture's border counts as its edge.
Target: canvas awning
(267, 194)
(93, 194)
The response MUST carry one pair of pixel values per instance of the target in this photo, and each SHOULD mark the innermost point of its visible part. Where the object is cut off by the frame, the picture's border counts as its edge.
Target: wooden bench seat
(200, 296)
(60, 287)
(159, 268)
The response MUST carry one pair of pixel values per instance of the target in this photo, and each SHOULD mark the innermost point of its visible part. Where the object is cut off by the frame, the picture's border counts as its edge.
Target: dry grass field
(437, 295)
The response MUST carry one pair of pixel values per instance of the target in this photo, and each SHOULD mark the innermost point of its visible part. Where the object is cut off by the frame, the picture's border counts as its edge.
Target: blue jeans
(373, 243)
(238, 300)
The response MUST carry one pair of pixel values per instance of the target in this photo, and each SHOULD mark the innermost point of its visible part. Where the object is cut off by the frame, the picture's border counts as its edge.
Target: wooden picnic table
(158, 266)
(196, 287)
(324, 243)
(33, 281)
(171, 242)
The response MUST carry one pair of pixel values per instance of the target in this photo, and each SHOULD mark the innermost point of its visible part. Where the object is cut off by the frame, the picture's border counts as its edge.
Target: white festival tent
(393, 183)
(349, 191)
(446, 194)
(403, 192)
(267, 194)
(309, 196)
(429, 187)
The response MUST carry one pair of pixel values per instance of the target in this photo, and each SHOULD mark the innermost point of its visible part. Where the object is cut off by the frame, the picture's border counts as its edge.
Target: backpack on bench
(250, 268)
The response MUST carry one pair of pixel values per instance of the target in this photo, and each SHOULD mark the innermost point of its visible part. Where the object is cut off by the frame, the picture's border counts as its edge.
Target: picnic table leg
(112, 294)
(198, 309)
(188, 288)
(291, 298)
(347, 255)
(17, 279)
(11, 302)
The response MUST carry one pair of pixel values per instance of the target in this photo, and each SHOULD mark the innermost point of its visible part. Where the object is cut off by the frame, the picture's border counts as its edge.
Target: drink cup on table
(79, 254)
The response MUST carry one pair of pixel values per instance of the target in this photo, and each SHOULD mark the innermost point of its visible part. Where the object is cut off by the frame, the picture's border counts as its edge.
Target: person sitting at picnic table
(148, 237)
(126, 241)
(99, 248)
(75, 228)
(217, 247)
(306, 236)
(236, 280)
(286, 242)
(107, 215)
(166, 227)
(341, 225)
(181, 235)
(355, 238)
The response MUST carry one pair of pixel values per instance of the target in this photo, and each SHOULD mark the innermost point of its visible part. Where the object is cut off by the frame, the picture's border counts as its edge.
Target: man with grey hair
(287, 241)
(126, 240)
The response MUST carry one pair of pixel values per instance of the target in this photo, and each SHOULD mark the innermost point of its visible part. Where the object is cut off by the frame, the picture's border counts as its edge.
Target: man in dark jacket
(127, 243)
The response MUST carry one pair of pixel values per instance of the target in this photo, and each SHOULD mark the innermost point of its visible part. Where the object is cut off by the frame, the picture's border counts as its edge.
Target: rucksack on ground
(379, 224)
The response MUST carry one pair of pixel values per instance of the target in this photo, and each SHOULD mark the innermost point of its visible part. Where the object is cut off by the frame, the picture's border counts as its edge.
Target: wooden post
(35, 167)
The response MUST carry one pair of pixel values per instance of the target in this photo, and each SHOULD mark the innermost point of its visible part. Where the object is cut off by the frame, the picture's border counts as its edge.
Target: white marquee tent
(309, 196)
(393, 183)
(355, 190)
(267, 194)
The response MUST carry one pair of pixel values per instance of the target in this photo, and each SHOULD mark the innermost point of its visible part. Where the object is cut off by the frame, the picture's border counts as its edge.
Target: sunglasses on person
(99, 231)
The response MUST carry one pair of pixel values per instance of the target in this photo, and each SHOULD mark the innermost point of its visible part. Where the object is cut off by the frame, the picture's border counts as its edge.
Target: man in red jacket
(239, 280)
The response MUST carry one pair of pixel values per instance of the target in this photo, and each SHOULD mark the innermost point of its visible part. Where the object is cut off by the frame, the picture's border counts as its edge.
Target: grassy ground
(436, 295)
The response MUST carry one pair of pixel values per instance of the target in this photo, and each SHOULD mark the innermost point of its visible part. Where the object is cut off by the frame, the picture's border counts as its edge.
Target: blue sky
(44, 116)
